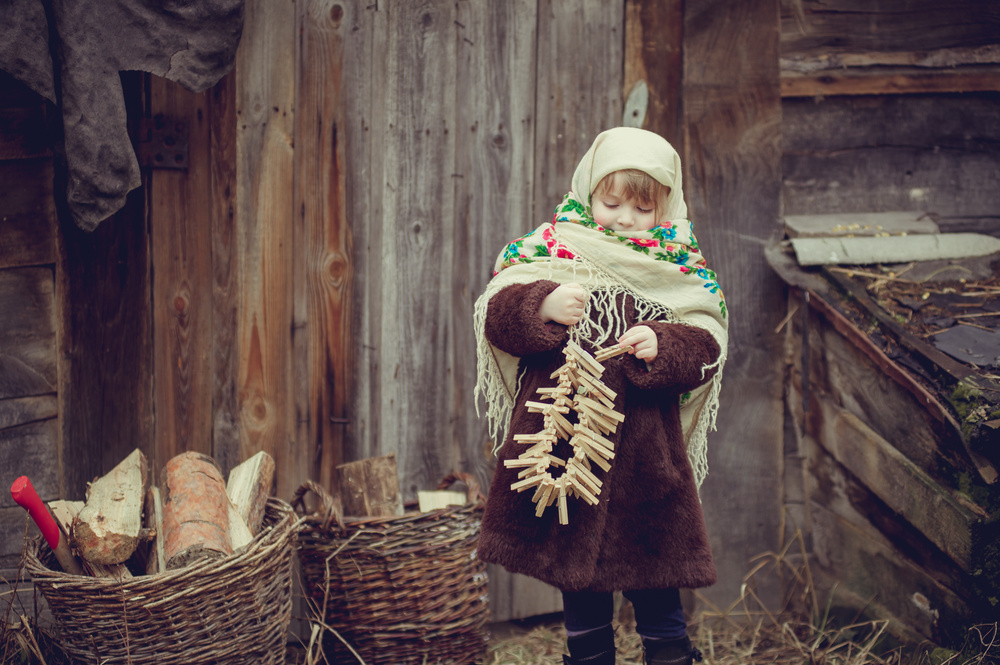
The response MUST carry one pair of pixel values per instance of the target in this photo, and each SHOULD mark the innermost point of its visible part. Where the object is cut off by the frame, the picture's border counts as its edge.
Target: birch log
(195, 510)
(107, 529)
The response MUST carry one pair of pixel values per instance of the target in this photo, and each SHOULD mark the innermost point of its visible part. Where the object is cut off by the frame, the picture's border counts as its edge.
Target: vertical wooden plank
(732, 118)
(225, 273)
(408, 240)
(580, 69)
(493, 184)
(493, 204)
(105, 370)
(654, 33)
(180, 254)
(265, 98)
(323, 270)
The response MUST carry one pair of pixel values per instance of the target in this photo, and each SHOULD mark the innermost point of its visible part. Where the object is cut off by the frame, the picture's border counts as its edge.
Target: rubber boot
(594, 648)
(670, 652)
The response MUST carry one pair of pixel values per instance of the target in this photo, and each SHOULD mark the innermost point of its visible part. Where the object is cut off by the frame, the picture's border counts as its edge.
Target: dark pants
(658, 612)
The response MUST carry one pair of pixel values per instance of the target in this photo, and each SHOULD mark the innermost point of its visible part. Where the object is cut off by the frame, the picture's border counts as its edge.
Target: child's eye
(608, 204)
(644, 210)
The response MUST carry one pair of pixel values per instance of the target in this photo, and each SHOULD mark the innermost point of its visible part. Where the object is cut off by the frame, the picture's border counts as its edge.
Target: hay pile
(801, 631)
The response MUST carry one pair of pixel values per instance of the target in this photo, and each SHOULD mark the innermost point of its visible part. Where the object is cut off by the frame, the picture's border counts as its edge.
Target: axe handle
(25, 495)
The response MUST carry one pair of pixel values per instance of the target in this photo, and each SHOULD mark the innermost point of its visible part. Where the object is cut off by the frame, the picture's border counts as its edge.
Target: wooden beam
(226, 270)
(900, 83)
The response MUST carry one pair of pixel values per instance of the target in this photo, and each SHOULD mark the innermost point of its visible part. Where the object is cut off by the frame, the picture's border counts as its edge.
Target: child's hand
(564, 305)
(643, 342)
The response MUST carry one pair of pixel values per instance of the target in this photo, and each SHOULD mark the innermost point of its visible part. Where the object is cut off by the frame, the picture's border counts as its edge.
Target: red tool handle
(25, 495)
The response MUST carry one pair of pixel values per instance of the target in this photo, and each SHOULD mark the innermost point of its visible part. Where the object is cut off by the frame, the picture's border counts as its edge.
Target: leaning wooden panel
(405, 318)
(265, 108)
(947, 520)
(883, 580)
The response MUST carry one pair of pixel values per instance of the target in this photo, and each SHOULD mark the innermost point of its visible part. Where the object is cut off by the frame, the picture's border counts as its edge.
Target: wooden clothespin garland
(581, 391)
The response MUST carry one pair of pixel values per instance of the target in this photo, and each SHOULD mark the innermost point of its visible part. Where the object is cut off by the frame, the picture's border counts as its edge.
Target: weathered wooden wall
(889, 109)
(892, 108)
(732, 125)
(306, 286)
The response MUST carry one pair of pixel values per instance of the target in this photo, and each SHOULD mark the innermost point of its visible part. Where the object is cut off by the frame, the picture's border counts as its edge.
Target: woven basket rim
(284, 527)
(328, 513)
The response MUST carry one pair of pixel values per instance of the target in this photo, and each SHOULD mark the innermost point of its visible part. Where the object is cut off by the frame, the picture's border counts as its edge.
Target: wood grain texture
(265, 99)
(579, 90)
(732, 118)
(838, 26)
(28, 358)
(494, 203)
(927, 153)
(323, 273)
(31, 449)
(223, 120)
(22, 132)
(881, 564)
(654, 34)
(900, 82)
(105, 338)
(28, 223)
(180, 241)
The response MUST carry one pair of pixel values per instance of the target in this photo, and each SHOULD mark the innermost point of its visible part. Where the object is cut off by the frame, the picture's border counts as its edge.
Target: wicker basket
(232, 610)
(400, 590)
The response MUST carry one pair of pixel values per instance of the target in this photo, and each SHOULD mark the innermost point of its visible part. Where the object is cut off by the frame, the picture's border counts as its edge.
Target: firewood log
(195, 510)
(64, 512)
(370, 487)
(249, 487)
(107, 529)
(156, 562)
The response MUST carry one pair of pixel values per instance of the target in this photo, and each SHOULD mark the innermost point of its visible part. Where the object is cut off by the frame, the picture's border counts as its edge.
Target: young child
(618, 264)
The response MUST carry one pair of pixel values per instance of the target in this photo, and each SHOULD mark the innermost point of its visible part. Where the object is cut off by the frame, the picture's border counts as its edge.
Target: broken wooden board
(858, 224)
(370, 487)
(892, 249)
(107, 529)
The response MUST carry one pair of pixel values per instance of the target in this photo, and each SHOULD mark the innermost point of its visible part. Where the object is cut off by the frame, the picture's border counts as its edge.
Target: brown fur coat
(647, 531)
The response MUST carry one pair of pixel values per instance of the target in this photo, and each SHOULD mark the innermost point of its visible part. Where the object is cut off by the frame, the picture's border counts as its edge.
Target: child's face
(619, 212)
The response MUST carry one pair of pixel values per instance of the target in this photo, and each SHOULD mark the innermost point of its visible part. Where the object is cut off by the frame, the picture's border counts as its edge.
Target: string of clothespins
(580, 390)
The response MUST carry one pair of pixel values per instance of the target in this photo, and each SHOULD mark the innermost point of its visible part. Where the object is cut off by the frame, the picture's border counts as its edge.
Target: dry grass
(801, 631)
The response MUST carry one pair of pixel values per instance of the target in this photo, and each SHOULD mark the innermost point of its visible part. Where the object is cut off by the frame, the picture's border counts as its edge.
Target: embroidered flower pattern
(663, 244)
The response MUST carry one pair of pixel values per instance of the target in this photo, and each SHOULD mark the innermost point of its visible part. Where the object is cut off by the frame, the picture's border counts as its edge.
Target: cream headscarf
(662, 269)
